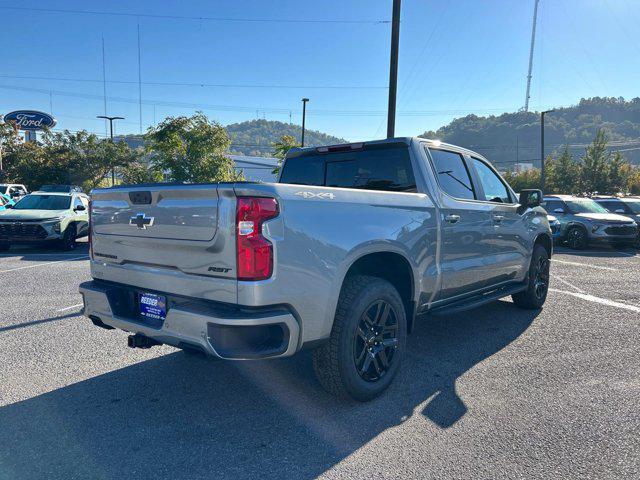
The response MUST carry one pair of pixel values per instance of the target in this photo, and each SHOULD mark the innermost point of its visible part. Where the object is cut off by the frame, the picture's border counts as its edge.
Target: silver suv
(627, 206)
(583, 221)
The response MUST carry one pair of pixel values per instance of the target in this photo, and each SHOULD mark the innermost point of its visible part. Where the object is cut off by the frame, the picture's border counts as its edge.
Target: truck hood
(604, 217)
(30, 215)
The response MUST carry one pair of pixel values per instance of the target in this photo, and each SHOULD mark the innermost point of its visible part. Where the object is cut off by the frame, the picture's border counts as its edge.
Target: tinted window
(585, 205)
(452, 174)
(385, 167)
(551, 205)
(494, 189)
(77, 202)
(43, 202)
(303, 171)
(613, 205)
(374, 170)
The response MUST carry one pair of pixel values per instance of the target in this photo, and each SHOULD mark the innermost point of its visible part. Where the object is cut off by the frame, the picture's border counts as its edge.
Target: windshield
(634, 205)
(43, 202)
(585, 206)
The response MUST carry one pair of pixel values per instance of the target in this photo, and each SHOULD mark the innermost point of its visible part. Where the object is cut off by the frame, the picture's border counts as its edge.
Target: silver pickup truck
(343, 255)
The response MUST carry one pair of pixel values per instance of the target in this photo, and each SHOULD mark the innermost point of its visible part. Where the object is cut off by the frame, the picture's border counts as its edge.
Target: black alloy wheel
(577, 238)
(375, 341)
(541, 277)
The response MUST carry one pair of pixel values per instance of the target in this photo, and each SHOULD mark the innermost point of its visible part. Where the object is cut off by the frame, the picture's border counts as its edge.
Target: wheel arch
(545, 241)
(392, 266)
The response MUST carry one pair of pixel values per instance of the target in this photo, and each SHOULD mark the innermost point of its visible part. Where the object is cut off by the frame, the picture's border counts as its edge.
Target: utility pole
(533, 42)
(104, 84)
(393, 69)
(111, 119)
(542, 173)
(139, 79)
(304, 115)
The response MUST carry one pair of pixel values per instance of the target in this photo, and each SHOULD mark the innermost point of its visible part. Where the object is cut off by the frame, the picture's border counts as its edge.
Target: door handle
(498, 218)
(452, 218)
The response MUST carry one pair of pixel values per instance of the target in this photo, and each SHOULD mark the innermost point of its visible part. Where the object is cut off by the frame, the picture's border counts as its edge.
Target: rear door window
(452, 174)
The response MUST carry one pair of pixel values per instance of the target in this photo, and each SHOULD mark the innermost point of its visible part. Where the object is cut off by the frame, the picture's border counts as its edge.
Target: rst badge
(321, 195)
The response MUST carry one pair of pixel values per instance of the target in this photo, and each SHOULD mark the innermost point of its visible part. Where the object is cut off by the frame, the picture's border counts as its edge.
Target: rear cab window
(385, 167)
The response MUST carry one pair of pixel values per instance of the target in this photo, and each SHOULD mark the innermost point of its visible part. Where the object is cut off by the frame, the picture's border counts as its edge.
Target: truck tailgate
(180, 230)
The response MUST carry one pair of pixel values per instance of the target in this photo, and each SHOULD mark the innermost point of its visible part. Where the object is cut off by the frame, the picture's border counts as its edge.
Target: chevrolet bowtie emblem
(141, 221)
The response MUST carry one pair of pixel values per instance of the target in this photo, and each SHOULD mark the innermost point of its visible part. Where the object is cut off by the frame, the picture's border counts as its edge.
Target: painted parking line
(43, 264)
(70, 308)
(599, 267)
(602, 301)
(568, 284)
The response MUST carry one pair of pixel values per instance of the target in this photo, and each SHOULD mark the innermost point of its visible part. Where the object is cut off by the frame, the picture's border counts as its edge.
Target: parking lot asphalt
(496, 392)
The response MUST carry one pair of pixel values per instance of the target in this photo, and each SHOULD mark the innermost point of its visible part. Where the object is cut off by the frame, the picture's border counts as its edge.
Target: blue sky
(456, 57)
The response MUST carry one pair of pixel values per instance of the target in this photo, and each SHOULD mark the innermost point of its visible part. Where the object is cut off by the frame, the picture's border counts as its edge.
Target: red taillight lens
(254, 252)
(90, 232)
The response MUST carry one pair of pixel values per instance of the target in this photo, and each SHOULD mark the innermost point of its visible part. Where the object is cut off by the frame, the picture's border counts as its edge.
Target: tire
(352, 363)
(636, 243)
(577, 238)
(4, 247)
(538, 286)
(69, 238)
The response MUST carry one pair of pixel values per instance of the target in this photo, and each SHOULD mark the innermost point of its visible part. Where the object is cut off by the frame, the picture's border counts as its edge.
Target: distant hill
(515, 137)
(254, 137)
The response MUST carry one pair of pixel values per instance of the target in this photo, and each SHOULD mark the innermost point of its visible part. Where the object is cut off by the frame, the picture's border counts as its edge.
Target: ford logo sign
(30, 119)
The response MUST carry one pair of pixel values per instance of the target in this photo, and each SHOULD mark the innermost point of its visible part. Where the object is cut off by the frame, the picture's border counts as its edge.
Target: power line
(196, 18)
(193, 84)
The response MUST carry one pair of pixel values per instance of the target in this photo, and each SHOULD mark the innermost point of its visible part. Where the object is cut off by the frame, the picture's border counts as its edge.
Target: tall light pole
(542, 173)
(393, 69)
(304, 114)
(111, 119)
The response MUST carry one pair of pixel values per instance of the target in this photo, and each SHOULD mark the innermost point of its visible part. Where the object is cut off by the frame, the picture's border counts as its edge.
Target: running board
(478, 300)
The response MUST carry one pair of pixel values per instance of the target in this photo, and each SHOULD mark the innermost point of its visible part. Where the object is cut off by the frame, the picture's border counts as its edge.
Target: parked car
(352, 245)
(5, 201)
(554, 224)
(583, 221)
(43, 217)
(61, 188)
(627, 206)
(14, 190)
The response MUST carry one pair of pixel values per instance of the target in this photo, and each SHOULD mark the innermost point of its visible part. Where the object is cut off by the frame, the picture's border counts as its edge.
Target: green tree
(281, 148)
(140, 172)
(191, 149)
(594, 174)
(618, 174)
(527, 179)
(566, 174)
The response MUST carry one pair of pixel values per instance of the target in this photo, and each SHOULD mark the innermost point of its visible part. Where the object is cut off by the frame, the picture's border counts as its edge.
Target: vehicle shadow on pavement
(177, 416)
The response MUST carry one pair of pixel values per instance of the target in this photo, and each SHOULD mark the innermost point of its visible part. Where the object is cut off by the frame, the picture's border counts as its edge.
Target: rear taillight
(90, 231)
(254, 252)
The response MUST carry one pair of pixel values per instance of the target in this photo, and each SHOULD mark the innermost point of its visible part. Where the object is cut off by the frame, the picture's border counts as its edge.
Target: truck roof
(297, 151)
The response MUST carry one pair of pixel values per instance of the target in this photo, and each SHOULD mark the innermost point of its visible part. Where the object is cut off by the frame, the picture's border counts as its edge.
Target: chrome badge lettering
(321, 195)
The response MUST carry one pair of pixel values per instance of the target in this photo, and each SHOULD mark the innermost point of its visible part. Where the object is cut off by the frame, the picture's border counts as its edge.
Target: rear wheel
(577, 238)
(367, 342)
(536, 293)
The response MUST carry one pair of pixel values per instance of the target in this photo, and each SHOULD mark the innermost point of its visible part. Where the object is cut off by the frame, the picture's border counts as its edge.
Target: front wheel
(538, 286)
(367, 342)
(69, 238)
(577, 238)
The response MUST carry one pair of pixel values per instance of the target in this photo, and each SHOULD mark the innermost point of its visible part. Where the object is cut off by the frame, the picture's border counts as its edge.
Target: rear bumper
(223, 331)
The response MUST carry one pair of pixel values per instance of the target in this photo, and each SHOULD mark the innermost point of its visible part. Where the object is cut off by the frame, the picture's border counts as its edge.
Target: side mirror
(80, 208)
(8, 205)
(558, 210)
(530, 198)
